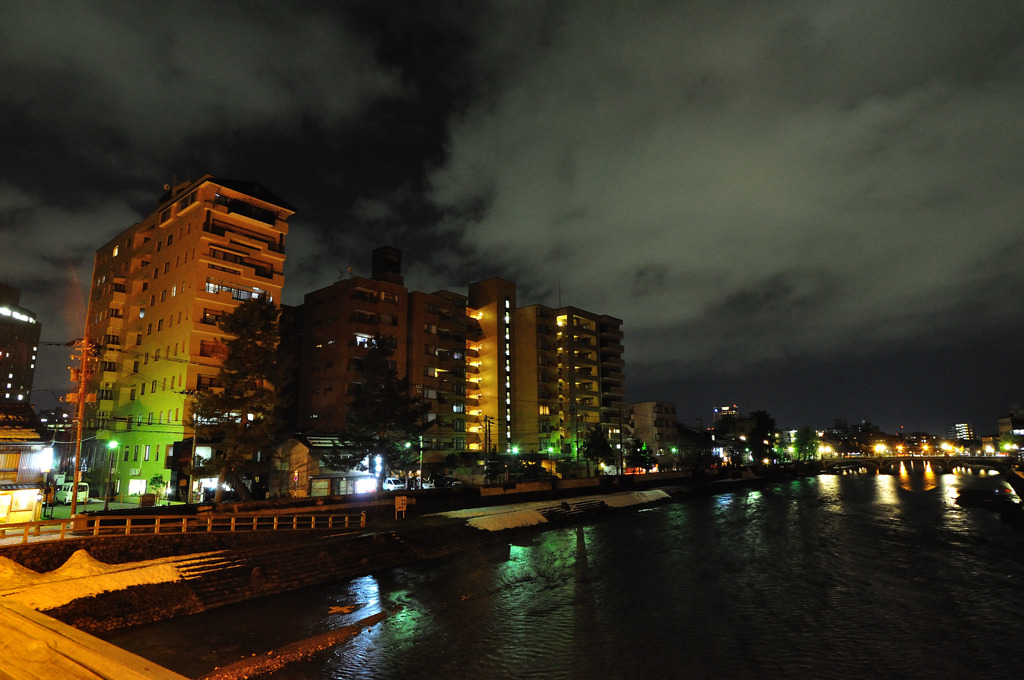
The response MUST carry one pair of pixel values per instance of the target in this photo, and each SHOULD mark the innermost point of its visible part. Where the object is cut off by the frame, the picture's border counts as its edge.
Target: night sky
(812, 208)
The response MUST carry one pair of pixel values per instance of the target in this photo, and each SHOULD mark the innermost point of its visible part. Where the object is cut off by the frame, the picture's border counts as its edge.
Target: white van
(394, 484)
(64, 493)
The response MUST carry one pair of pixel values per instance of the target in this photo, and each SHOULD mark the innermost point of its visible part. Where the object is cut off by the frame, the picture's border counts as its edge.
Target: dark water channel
(848, 576)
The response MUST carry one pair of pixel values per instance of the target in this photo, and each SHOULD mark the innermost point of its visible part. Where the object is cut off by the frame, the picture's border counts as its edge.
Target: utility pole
(84, 346)
(487, 434)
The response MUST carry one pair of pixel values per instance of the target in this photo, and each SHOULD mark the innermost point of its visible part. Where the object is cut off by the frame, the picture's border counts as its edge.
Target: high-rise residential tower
(543, 375)
(428, 332)
(19, 345)
(158, 290)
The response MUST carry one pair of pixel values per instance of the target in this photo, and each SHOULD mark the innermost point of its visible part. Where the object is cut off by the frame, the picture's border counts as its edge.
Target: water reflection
(831, 577)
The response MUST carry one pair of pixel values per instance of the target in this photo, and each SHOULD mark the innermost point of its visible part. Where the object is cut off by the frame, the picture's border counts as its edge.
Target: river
(836, 576)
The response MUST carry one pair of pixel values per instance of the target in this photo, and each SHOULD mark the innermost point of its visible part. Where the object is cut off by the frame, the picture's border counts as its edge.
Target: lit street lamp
(111, 458)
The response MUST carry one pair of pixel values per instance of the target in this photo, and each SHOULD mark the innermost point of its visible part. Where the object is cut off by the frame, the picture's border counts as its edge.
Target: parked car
(64, 493)
(394, 484)
(426, 483)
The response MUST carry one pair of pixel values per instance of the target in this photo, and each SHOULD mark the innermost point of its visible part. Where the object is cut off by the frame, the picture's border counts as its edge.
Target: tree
(1011, 444)
(157, 484)
(241, 418)
(596, 448)
(639, 456)
(805, 443)
(494, 468)
(382, 419)
(762, 436)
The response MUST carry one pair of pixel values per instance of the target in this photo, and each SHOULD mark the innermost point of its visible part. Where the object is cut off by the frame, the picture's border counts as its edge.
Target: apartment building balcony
(365, 296)
(581, 364)
(364, 319)
(614, 390)
(611, 333)
(263, 242)
(580, 341)
(612, 347)
(612, 362)
(609, 400)
(247, 211)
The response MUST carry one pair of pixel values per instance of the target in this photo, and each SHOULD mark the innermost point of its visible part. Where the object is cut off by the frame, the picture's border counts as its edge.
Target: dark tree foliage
(805, 444)
(382, 419)
(242, 420)
(494, 468)
(639, 456)
(762, 437)
(596, 448)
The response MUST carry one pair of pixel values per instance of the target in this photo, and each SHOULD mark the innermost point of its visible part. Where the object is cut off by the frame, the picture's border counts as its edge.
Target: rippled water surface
(829, 577)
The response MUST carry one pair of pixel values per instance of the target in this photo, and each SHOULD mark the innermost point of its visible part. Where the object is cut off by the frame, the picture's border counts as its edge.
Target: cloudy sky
(812, 208)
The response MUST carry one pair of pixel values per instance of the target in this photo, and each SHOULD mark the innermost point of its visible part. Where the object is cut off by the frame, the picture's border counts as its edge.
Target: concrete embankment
(34, 646)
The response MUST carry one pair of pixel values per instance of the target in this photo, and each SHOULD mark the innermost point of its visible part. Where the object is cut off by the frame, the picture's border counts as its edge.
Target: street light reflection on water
(755, 583)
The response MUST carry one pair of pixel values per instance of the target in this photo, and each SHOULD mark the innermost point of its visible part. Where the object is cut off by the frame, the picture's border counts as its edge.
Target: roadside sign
(400, 504)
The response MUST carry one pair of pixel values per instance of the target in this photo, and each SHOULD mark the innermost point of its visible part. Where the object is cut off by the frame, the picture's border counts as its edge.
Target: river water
(836, 576)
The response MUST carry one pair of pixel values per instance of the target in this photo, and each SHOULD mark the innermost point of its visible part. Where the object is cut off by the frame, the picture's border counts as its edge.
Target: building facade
(654, 422)
(499, 380)
(569, 378)
(338, 323)
(19, 345)
(1012, 423)
(26, 458)
(489, 391)
(428, 333)
(158, 290)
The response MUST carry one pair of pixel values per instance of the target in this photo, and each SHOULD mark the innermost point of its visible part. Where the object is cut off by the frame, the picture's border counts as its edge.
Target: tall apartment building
(429, 335)
(497, 378)
(543, 375)
(569, 378)
(489, 390)
(961, 431)
(654, 422)
(19, 345)
(438, 372)
(158, 291)
(338, 323)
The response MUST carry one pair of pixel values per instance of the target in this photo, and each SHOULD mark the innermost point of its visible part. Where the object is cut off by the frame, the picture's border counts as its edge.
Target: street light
(111, 447)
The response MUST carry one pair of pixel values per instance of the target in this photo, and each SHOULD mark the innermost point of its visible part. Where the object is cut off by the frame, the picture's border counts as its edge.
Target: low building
(25, 459)
(301, 461)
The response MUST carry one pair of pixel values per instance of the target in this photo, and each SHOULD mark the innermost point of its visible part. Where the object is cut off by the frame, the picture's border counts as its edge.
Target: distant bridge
(939, 463)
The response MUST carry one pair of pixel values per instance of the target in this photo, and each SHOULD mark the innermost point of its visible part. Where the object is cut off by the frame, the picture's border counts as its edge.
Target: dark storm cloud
(104, 102)
(761, 180)
(156, 77)
(765, 192)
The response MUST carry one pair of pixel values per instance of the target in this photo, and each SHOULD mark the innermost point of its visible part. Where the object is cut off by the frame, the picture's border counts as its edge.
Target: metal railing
(134, 525)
